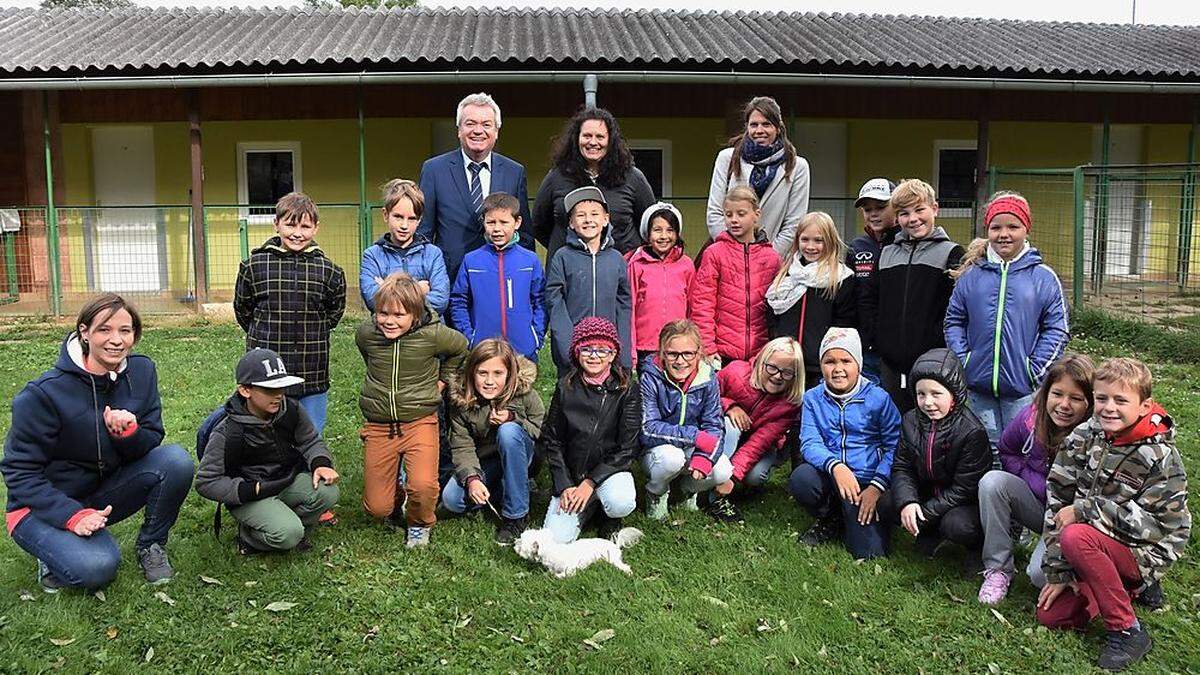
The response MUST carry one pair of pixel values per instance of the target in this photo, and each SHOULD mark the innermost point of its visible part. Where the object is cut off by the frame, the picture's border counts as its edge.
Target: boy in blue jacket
(848, 435)
(587, 277)
(499, 288)
(401, 249)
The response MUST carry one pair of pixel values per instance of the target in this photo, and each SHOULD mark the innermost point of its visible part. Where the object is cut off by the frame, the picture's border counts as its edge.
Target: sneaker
(509, 530)
(656, 505)
(1123, 648)
(822, 531)
(396, 520)
(418, 537)
(995, 586)
(1151, 596)
(244, 547)
(724, 510)
(608, 528)
(304, 545)
(49, 582)
(328, 518)
(928, 546)
(155, 565)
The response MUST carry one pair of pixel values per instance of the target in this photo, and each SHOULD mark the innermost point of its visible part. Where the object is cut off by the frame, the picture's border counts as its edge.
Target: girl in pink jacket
(659, 276)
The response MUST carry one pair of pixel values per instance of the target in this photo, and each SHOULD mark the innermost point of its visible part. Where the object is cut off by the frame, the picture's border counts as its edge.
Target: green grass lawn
(703, 597)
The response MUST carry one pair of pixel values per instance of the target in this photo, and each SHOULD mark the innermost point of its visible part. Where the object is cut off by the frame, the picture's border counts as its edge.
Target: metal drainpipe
(590, 84)
(51, 216)
(364, 217)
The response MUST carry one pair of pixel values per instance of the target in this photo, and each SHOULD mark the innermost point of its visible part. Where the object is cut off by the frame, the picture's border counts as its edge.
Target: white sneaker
(656, 506)
(689, 504)
(418, 537)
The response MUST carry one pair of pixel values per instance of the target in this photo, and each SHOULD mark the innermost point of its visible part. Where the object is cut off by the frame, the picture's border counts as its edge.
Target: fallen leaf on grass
(371, 634)
(211, 581)
(111, 633)
(62, 642)
(994, 669)
(878, 569)
(823, 653)
(1000, 618)
(149, 654)
(99, 595)
(466, 621)
(59, 663)
(165, 598)
(279, 606)
(764, 626)
(599, 638)
(954, 597)
(251, 584)
(715, 601)
(26, 596)
(716, 641)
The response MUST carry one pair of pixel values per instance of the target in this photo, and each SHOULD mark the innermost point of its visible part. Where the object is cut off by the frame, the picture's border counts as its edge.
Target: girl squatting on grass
(1007, 318)
(495, 416)
(590, 437)
(1017, 494)
(681, 420)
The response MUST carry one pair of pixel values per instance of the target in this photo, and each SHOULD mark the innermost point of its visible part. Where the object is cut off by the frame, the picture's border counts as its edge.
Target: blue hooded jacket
(421, 260)
(58, 450)
(671, 416)
(578, 285)
(500, 294)
(1007, 322)
(861, 432)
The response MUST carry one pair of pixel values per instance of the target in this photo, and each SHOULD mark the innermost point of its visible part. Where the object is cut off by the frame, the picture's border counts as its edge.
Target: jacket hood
(942, 366)
(1154, 423)
(70, 360)
(937, 234)
(275, 245)
(1028, 257)
(760, 237)
(606, 240)
(640, 254)
(526, 375)
(385, 241)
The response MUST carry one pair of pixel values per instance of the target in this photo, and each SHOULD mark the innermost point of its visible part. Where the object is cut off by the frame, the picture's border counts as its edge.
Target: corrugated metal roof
(86, 41)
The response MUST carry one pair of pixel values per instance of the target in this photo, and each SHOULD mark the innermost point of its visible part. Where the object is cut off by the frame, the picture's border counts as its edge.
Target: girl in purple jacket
(1027, 448)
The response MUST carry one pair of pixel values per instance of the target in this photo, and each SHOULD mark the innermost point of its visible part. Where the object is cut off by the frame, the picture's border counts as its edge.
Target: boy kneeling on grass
(266, 461)
(1116, 514)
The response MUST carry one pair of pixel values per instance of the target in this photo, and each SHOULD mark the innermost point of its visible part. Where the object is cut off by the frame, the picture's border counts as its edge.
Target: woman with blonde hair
(814, 289)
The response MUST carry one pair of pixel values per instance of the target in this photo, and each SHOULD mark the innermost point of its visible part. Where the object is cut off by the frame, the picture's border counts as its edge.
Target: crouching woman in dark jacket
(85, 452)
(590, 436)
(943, 453)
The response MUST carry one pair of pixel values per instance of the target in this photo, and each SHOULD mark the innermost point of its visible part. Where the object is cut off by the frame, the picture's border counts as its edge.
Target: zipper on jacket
(593, 281)
(503, 295)
(999, 326)
(929, 456)
(395, 377)
(746, 348)
(683, 402)
(842, 423)
(904, 302)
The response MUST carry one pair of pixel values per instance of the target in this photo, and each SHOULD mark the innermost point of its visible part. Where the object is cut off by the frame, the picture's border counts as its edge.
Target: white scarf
(800, 277)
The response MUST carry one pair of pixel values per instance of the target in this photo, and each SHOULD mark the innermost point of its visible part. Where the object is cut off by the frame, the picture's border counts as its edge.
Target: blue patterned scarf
(765, 159)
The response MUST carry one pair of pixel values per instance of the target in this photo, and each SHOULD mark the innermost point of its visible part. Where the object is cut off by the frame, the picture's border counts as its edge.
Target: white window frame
(663, 145)
(244, 189)
(950, 144)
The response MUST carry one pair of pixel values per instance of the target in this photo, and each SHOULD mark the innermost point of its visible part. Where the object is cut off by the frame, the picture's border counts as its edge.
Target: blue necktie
(476, 187)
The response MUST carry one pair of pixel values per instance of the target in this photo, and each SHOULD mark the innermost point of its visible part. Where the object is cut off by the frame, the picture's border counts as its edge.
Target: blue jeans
(159, 482)
(315, 405)
(996, 413)
(761, 471)
(506, 475)
(815, 491)
(616, 496)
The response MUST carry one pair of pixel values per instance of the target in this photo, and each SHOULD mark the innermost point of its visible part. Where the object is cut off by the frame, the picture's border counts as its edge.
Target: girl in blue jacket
(401, 249)
(1007, 318)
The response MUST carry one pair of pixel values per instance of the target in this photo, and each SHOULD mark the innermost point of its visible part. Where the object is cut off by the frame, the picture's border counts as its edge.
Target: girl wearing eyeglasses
(681, 420)
(590, 436)
(761, 401)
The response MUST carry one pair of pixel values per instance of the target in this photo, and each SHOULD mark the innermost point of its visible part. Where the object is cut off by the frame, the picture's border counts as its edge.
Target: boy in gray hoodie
(266, 462)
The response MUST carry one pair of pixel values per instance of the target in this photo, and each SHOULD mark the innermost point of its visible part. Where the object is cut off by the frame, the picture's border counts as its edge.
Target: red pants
(1105, 571)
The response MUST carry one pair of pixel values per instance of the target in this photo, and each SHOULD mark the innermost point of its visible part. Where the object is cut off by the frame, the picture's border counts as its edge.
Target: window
(266, 172)
(653, 157)
(954, 177)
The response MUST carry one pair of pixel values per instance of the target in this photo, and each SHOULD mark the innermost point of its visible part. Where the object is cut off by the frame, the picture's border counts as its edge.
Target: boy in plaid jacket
(288, 298)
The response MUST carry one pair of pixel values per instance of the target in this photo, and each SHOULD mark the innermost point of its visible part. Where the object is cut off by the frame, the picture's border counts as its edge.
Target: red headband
(1012, 205)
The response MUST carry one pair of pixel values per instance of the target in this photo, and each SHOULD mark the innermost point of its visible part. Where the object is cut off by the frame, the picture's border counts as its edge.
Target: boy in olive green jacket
(410, 356)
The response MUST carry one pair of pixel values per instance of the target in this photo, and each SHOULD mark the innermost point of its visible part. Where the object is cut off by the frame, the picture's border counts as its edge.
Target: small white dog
(563, 560)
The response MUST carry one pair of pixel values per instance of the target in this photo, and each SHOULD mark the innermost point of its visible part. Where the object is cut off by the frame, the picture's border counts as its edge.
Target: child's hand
(441, 387)
(498, 417)
(324, 474)
(1065, 516)
(909, 517)
(117, 421)
(423, 285)
(697, 474)
(1050, 593)
(867, 500)
(478, 492)
(739, 418)
(847, 483)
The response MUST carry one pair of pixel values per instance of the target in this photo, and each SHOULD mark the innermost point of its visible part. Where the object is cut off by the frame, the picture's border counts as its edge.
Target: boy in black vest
(266, 462)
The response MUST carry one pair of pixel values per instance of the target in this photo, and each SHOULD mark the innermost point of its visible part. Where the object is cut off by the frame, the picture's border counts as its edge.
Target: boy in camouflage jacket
(1116, 514)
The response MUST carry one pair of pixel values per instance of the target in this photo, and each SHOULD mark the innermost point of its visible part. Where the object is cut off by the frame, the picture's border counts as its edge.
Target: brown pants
(383, 447)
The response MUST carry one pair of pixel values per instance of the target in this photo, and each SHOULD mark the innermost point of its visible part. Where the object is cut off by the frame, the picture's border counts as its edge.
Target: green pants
(278, 523)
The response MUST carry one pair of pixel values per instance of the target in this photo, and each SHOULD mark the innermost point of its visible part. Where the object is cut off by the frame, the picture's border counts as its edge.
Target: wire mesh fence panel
(1122, 238)
(25, 276)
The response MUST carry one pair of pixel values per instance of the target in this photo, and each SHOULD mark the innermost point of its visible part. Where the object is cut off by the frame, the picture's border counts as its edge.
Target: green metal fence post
(51, 216)
(1077, 267)
(1100, 224)
(10, 265)
(244, 237)
(364, 220)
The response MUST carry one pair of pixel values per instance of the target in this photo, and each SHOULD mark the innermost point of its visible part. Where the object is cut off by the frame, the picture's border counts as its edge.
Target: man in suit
(456, 182)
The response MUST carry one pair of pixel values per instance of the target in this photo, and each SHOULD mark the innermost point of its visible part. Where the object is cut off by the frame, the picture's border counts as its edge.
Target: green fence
(1122, 238)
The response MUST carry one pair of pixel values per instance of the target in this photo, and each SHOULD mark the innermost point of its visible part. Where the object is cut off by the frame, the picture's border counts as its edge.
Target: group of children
(908, 381)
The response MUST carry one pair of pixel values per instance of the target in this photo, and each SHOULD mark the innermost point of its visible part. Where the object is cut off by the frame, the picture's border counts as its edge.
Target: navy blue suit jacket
(449, 219)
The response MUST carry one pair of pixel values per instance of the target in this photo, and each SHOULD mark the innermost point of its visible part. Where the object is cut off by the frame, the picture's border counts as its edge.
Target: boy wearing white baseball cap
(862, 256)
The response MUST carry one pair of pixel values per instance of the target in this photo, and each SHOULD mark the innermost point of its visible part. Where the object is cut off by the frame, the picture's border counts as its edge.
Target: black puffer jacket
(939, 462)
(590, 431)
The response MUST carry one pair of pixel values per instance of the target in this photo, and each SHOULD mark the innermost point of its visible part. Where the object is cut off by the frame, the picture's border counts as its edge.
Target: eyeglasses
(601, 352)
(681, 356)
(773, 370)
